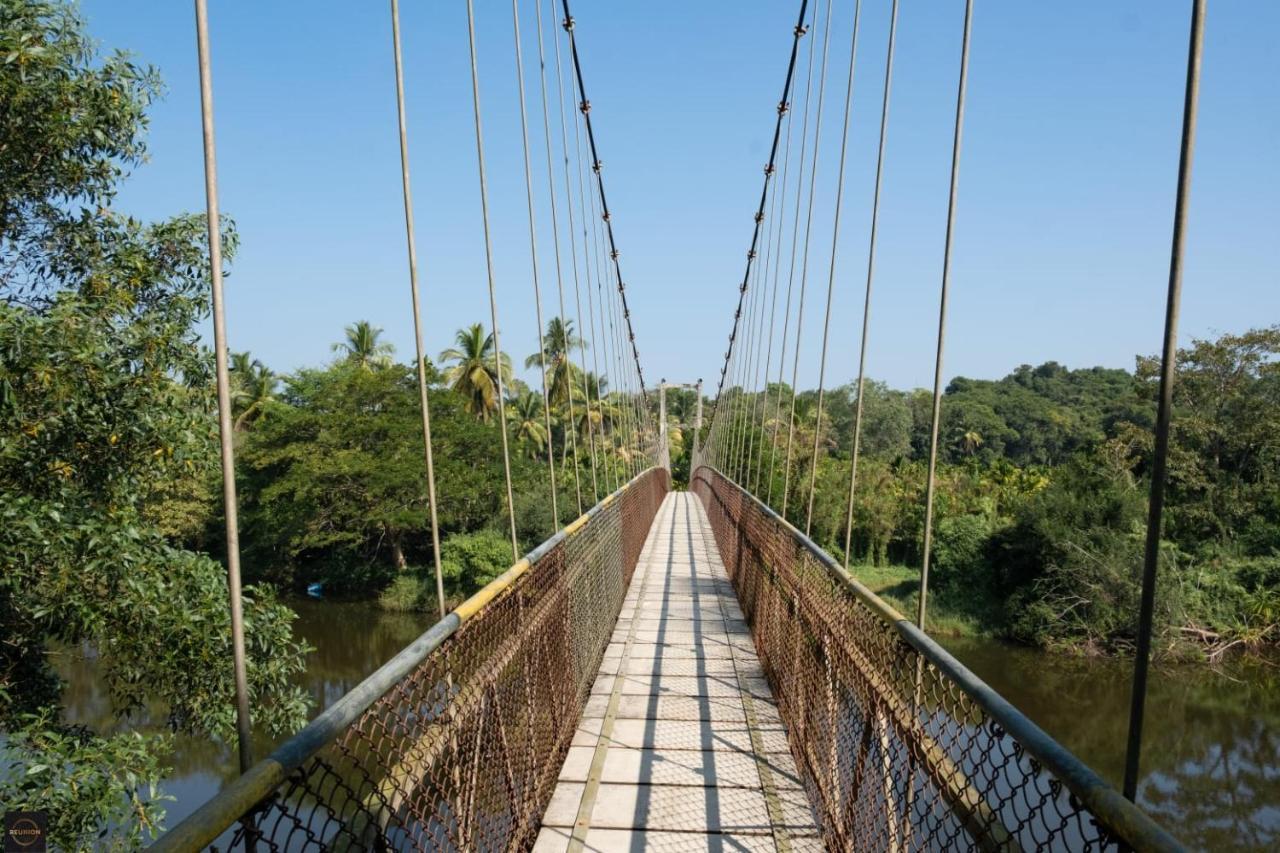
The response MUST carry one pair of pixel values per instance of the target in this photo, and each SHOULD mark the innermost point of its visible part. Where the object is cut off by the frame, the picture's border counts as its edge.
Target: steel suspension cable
(614, 254)
(799, 32)
(740, 420)
(423, 404)
(871, 263)
(570, 433)
(1164, 411)
(604, 297)
(226, 435)
(591, 243)
(533, 259)
(804, 263)
(795, 233)
(931, 482)
(757, 334)
(776, 244)
(757, 347)
(580, 172)
(488, 257)
(831, 271)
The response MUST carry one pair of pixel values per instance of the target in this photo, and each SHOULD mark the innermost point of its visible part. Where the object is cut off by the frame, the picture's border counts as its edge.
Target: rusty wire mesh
(897, 744)
(463, 752)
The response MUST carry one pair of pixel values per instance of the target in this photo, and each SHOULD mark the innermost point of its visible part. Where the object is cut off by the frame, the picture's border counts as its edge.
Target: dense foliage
(104, 427)
(1042, 494)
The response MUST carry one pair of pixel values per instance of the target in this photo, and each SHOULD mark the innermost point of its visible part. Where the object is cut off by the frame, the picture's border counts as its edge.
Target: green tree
(557, 344)
(253, 388)
(363, 347)
(104, 405)
(474, 370)
(527, 417)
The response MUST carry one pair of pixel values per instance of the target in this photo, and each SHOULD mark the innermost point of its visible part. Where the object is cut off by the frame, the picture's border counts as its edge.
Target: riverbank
(972, 613)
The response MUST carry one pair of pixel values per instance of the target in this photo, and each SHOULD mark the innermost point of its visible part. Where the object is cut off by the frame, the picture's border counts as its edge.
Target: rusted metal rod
(225, 429)
(1168, 365)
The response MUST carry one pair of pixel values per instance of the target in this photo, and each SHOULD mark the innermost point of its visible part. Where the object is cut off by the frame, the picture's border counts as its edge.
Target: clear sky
(1067, 178)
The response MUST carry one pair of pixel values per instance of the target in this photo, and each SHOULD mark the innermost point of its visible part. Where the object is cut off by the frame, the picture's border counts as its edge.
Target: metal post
(1168, 364)
(226, 436)
(662, 408)
(697, 427)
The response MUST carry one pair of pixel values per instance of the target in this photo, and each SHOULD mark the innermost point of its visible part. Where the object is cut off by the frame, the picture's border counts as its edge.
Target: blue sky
(1067, 179)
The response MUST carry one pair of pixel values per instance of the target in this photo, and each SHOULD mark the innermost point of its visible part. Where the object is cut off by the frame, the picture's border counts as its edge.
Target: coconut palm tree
(473, 371)
(362, 346)
(528, 426)
(253, 386)
(557, 343)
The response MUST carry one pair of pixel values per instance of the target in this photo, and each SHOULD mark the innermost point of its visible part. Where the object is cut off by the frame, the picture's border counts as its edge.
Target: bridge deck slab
(680, 747)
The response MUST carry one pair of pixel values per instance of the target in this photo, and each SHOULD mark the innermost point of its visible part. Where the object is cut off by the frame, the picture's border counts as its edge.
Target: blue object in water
(315, 590)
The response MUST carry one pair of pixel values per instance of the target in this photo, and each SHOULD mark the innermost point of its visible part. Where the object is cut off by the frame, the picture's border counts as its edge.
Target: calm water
(1211, 742)
(351, 639)
(1212, 756)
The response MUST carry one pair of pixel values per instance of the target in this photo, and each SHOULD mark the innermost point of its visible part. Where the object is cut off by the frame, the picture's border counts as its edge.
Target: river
(1211, 761)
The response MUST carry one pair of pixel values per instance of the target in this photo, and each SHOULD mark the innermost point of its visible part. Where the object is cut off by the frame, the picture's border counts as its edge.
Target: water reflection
(1211, 742)
(351, 639)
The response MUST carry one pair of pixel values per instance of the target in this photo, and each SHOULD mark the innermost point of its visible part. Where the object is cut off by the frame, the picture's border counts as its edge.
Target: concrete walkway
(680, 747)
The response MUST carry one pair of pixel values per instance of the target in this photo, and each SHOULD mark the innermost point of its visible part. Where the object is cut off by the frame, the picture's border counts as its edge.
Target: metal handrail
(229, 805)
(1133, 826)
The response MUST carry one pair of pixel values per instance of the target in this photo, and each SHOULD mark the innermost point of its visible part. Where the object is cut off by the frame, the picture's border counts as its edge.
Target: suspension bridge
(681, 670)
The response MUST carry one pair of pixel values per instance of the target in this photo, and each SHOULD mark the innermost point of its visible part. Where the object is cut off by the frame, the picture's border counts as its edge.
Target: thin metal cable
(799, 32)
(533, 259)
(804, 265)
(627, 403)
(614, 254)
(591, 243)
(739, 415)
(757, 347)
(753, 366)
(795, 233)
(931, 483)
(595, 363)
(775, 244)
(871, 263)
(1164, 413)
(423, 404)
(488, 259)
(831, 271)
(586, 265)
(586, 260)
(226, 434)
(570, 431)
(605, 297)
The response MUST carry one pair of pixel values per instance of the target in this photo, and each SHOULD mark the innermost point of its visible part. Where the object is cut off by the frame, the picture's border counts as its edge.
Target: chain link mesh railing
(900, 747)
(456, 743)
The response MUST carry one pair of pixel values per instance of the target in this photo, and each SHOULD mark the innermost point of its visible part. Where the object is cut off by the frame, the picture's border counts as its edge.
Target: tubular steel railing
(455, 743)
(900, 746)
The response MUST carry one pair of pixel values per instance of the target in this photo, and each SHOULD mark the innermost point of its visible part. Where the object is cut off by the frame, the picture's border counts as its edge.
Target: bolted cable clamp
(567, 24)
(800, 30)
(614, 255)
(783, 106)
(759, 216)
